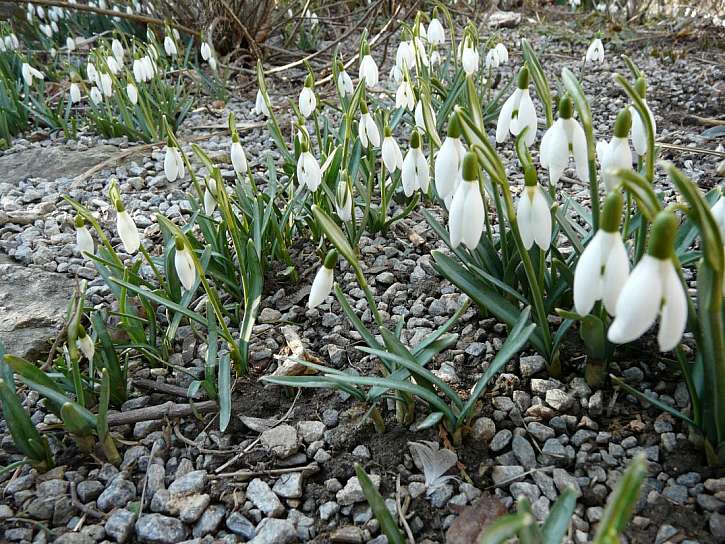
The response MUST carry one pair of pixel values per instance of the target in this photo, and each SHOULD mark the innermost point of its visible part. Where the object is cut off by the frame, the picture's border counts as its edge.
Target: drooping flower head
(84, 240)
(603, 266)
(368, 68)
(532, 214)
(639, 130)
(324, 280)
(615, 155)
(392, 156)
(308, 168)
(563, 139)
(518, 112)
(125, 225)
(595, 52)
(653, 289)
(436, 33)
(367, 129)
(466, 218)
(415, 167)
(449, 161)
(184, 263)
(469, 55)
(307, 100)
(344, 81)
(85, 343)
(343, 198)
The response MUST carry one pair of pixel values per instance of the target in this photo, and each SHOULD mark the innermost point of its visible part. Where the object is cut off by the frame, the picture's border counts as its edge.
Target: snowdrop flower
(533, 215)
(149, 67)
(616, 155)
(173, 163)
(344, 82)
(324, 279)
(209, 200)
(421, 31)
(392, 156)
(368, 68)
(85, 343)
(260, 105)
(418, 48)
(469, 57)
(503, 53)
(213, 63)
(132, 93)
(343, 200)
(96, 96)
(564, 138)
(84, 240)
(492, 60)
(639, 131)
(405, 55)
(170, 47)
(184, 264)
(396, 74)
(239, 158)
(595, 52)
(436, 34)
(139, 71)
(205, 51)
(420, 119)
(367, 130)
(47, 30)
(603, 266)
(127, 230)
(415, 167)
(518, 112)
(654, 288)
(112, 65)
(92, 73)
(449, 161)
(404, 96)
(29, 73)
(117, 50)
(106, 84)
(70, 44)
(308, 169)
(466, 218)
(435, 58)
(718, 212)
(307, 100)
(75, 93)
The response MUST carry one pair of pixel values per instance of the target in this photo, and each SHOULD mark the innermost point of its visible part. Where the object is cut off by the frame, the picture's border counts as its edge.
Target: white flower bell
(503, 53)
(615, 154)
(404, 96)
(96, 96)
(639, 131)
(518, 112)
(117, 50)
(367, 130)
(239, 158)
(184, 264)
(260, 105)
(533, 215)
(343, 200)
(469, 57)
(564, 138)
(466, 218)
(308, 169)
(127, 230)
(368, 68)
(85, 343)
(307, 100)
(324, 280)
(30, 73)
(603, 266)
(84, 240)
(436, 33)
(170, 47)
(449, 161)
(75, 93)
(132, 93)
(392, 156)
(415, 167)
(344, 82)
(173, 163)
(595, 52)
(654, 288)
(205, 51)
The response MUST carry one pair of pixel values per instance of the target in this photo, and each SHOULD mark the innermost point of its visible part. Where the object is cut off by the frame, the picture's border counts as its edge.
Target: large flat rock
(33, 304)
(51, 162)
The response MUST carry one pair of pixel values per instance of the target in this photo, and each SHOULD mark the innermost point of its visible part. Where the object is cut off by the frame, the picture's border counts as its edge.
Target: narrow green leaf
(504, 528)
(387, 524)
(557, 523)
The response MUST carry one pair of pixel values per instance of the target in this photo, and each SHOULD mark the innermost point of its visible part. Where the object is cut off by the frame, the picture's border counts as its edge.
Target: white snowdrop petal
(616, 271)
(673, 318)
(639, 302)
(587, 276)
(321, 286)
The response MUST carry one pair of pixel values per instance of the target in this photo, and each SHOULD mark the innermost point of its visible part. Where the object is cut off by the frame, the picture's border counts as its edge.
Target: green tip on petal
(363, 107)
(330, 259)
(179, 241)
(530, 177)
(387, 131)
(454, 126)
(470, 166)
(566, 109)
(309, 81)
(641, 87)
(623, 123)
(662, 238)
(612, 212)
(523, 79)
(415, 139)
(79, 222)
